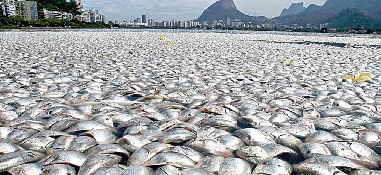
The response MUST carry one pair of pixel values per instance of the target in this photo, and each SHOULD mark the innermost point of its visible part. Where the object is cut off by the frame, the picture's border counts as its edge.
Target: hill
(333, 11)
(354, 19)
(223, 9)
(294, 9)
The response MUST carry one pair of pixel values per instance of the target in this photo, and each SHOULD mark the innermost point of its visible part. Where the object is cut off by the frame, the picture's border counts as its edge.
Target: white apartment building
(8, 7)
(57, 15)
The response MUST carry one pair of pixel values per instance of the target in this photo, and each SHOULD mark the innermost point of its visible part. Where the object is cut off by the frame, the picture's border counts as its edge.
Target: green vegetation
(58, 5)
(354, 19)
(18, 22)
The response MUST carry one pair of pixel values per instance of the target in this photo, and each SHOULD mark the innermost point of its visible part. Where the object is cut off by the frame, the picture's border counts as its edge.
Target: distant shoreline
(194, 29)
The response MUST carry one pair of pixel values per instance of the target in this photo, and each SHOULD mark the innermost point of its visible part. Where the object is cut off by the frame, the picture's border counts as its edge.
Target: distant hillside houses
(28, 10)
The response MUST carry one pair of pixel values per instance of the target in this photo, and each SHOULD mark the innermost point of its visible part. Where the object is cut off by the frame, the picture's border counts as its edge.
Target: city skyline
(184, 10)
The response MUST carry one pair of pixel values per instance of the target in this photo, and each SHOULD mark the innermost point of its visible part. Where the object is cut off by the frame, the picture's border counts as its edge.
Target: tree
(58, 5)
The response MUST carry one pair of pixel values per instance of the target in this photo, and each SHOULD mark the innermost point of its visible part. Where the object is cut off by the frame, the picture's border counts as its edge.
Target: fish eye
(32, 154)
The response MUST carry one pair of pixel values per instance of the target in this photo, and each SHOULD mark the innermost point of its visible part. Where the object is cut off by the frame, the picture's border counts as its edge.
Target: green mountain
(354, 19)
(333, 10)
(223, 9)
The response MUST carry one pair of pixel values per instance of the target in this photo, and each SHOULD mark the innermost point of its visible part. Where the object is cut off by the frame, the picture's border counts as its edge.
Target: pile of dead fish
(122, 102)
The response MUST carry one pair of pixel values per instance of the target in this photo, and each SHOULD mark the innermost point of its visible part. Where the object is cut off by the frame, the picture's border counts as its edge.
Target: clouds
(183, 9)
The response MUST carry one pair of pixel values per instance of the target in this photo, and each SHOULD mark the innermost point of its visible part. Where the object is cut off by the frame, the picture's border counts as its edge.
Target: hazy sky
(183, 9)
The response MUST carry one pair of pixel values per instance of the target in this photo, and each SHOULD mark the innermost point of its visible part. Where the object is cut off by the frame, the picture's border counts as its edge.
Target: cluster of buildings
(143, 22)
(28, 10)
(237, 23)
(25, 9)
(228, 22)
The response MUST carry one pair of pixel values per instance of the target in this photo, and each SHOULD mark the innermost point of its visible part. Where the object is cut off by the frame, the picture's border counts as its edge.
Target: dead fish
(7, 147)
(189, 152)
(341, 149)
(167, 170)
(321, 137)
(82, 143)
(4, 131)
(65, 157)
(234, 166)
(131, 142)
(316, 168)
(102, 136)
(195, 171)
(170, 158)
(336, 161)
(145, 153)
(92, 164)
(231, 142)
(313, 149)
(26, 169)
(210, 146)
(177, 135)
(37, 143)
(138, 170)
(253, 154)
(273, 166)
(59, 169)
(113, 170)
(13, 159)
(18, 135)
(108, 149)
(60, 143)
(253, 137)
(211, 163)
(86, 125)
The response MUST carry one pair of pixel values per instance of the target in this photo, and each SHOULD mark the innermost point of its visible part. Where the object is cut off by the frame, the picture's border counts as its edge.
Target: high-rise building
(228, 22)
(138, 20)
(151, 22)
(8, 7)
(27, 10)
(144, 19)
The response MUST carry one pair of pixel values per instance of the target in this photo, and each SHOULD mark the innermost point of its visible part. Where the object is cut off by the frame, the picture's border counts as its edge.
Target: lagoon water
(226, 96)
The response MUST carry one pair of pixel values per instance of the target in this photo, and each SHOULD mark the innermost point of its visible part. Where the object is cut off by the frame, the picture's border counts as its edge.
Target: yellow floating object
(170, 44)
(361, 77)
(287, 62)
(161, 37)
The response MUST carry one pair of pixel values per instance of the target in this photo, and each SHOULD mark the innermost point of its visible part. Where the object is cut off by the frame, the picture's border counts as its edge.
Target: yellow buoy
(170, 44)
(161, 37)
(287, 62)
(361, 77)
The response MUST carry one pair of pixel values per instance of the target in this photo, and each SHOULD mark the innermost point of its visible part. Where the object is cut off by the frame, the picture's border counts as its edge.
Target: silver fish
(26, 169)
(167, 170)
(211, 163)
(170, 158)
(137, 170)
(92, 164)
(102, 136)
(273, 166)
(316, 168)
(195, 171)
(145, 153)
(253, 137)
(13, 159)
(65, 157)
(234, 166)
(59, 169)
(82, 143)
